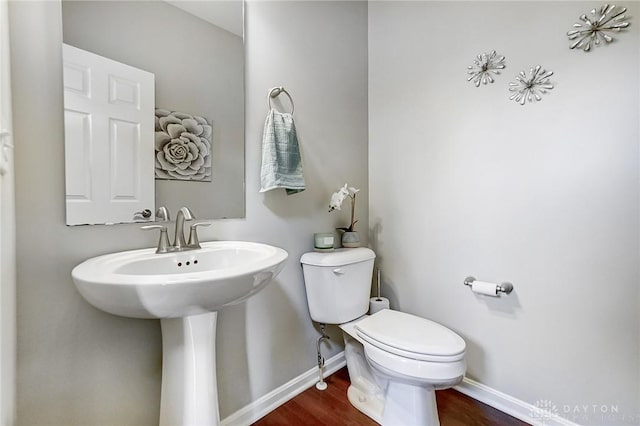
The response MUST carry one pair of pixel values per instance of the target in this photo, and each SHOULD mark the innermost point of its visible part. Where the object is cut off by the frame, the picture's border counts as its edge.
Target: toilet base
(365, 392)
(367, 404)
(410, 405)
(388, 402)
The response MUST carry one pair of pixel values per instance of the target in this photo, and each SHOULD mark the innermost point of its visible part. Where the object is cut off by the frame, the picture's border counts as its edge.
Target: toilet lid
(411, 336)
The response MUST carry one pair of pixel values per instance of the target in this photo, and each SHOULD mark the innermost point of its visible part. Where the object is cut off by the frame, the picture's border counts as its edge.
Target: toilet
(395, 360)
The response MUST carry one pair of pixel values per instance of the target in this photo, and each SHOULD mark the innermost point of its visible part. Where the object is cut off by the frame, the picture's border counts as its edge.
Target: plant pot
(350, 239)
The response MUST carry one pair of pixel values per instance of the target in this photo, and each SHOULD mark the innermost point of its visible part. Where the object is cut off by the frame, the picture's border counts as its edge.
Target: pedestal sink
(184, 290)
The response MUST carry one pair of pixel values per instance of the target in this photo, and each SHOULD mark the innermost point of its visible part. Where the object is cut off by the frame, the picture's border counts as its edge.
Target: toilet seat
(411, 337)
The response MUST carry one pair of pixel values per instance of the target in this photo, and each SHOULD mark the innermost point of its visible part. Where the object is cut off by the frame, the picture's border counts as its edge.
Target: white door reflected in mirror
(109, 128)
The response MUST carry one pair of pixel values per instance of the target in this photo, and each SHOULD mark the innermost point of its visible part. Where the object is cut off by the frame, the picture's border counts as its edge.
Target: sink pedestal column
(189, 387)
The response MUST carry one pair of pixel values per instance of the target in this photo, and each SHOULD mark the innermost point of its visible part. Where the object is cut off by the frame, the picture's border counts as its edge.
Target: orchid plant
(336, 203)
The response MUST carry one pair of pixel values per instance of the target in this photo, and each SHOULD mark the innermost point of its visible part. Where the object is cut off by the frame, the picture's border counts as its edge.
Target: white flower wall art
(182, 146)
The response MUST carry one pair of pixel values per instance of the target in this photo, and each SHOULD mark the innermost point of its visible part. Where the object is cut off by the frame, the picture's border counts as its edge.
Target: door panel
(109, 134)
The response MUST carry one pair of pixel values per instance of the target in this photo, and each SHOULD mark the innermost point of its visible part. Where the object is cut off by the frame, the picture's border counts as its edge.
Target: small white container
(323, 241)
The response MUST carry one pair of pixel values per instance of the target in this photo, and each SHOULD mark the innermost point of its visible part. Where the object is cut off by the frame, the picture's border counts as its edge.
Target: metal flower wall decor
(182, 146)
(592, 29)
(483, 66)
(529, 88)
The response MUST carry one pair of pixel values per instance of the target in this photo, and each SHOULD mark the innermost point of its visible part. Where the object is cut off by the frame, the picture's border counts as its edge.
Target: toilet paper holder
(505, 287)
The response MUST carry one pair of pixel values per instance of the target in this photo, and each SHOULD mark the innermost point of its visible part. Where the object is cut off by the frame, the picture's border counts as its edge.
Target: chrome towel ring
(275, 92)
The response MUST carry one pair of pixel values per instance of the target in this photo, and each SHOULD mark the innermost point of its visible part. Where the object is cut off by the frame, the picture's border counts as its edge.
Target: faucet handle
(193, 234)
(163, 242)
(162, 214)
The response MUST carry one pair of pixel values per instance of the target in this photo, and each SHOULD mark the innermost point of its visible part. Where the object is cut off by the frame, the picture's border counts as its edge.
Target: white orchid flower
(336, 202)
(338, 198)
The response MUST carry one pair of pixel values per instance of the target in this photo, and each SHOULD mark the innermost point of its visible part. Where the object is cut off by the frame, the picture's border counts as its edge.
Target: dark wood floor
(331, 407)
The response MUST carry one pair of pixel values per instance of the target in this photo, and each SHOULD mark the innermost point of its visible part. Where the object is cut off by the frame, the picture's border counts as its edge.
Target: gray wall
(199, 69)
(464, 181)
(79, 366)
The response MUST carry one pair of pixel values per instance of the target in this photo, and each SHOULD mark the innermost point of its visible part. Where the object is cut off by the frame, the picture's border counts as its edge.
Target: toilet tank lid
(339, 257)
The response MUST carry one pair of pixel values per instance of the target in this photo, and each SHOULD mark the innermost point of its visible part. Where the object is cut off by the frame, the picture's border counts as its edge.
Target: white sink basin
(143, 284)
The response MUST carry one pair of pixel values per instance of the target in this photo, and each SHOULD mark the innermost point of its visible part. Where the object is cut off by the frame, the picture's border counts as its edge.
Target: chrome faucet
(179, 244)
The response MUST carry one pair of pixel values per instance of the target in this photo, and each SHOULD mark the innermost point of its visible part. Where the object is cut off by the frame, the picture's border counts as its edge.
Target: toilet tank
(338, 284)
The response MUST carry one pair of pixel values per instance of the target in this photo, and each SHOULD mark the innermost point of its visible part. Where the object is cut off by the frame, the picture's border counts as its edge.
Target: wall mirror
(192, 131)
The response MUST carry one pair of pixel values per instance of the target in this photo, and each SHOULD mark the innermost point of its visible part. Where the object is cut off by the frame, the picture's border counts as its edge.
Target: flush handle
(338, 271)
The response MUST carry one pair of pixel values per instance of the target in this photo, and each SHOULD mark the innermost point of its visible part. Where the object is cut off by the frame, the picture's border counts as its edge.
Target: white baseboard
(500, 401)
(269, 402)
(521, 410)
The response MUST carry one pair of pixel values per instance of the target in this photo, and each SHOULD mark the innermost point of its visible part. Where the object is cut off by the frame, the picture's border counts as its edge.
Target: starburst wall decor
(592, 29)
(529, 88)
(483, 66)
